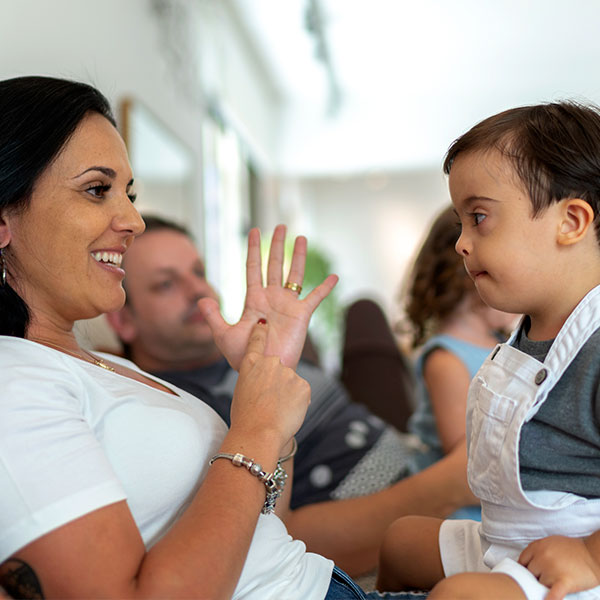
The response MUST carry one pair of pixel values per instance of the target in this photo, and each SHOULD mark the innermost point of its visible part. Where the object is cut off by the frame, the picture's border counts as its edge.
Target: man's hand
(563, 564)
(288, 317)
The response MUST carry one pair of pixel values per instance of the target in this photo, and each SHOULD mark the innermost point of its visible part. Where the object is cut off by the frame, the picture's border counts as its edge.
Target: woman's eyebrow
(106, 170)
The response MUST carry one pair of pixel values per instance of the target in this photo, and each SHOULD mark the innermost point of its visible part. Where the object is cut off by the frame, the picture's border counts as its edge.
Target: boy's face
(508, 253)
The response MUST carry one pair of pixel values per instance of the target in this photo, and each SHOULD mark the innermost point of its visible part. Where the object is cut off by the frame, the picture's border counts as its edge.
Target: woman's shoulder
(19, 351)
(26, 365)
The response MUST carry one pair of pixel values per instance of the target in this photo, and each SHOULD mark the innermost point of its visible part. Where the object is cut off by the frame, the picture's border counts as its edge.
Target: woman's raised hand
(287, 315)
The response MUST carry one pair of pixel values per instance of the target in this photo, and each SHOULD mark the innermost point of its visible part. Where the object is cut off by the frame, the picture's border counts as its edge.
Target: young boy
(525, 185)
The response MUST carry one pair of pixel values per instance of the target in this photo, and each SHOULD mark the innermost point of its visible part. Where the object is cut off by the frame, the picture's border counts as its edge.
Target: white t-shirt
(75, 437)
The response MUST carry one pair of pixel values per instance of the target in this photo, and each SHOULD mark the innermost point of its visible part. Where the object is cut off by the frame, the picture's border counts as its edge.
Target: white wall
(369, 225)
(233, 77)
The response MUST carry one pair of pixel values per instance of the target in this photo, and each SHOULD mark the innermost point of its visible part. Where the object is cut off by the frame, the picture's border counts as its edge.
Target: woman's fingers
(275, 266)
(253, 261)
(296, 274)
(320, 292)
(257, 340)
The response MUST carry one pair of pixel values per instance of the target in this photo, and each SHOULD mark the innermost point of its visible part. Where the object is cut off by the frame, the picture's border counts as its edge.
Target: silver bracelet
(274, 482)
(292, 452)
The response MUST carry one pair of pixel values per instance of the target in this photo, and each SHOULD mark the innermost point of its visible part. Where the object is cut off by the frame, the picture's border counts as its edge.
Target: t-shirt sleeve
(52, 467)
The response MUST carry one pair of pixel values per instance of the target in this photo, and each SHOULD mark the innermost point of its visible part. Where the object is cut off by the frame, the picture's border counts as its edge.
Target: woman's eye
(132, 197)
(478, 218)
(98, 191)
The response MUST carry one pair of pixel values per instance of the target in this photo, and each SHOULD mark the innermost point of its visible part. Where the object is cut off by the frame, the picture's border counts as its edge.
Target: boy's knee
(477, 586)
(409, 554)
(456, 587)
(408, 525)
(400, 534)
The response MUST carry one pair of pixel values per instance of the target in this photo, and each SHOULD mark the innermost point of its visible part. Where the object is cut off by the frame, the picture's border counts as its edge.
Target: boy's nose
(461, 246)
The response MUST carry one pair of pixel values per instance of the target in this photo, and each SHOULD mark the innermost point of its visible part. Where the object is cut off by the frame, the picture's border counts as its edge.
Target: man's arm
(350, 531)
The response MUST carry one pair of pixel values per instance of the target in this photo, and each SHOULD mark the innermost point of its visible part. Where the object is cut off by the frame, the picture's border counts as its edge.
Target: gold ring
(295, 287)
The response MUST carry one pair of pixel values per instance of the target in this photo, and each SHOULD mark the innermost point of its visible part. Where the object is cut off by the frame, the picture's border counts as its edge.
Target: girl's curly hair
(438, 281)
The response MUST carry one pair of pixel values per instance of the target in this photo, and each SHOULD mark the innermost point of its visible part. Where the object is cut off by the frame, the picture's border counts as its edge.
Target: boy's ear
(122, 322)
(576, 218)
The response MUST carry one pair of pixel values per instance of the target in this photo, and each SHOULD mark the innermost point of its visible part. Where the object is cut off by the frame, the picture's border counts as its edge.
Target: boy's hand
(563, 564)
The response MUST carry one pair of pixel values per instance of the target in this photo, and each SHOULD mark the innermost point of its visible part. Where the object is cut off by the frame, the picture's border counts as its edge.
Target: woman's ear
(5, 233)
(576, 218)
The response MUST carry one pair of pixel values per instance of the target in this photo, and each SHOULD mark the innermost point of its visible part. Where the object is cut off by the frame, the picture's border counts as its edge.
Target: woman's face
(65, 248)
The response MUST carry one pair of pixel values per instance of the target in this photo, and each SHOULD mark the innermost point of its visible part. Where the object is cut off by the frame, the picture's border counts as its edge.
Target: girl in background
(454, 331)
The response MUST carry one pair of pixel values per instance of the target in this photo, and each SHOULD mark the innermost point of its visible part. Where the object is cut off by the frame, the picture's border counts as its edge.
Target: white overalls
(507, 391)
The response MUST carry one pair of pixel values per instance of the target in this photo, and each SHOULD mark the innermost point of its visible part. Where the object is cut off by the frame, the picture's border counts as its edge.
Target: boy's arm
(564, 564)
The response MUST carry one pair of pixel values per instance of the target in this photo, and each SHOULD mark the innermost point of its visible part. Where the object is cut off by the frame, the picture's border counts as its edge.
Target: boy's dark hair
(554, 149)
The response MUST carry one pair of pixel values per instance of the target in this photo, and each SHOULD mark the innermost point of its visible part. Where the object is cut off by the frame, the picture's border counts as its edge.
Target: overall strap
(580, 325)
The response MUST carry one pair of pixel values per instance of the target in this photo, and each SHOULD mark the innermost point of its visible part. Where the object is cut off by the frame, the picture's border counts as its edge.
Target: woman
(106, 488)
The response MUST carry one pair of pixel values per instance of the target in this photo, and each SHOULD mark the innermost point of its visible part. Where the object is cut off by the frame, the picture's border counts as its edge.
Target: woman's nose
(129, 219)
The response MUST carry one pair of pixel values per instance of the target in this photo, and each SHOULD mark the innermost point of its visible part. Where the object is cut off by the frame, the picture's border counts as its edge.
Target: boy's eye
(132, 197)
(478, 218)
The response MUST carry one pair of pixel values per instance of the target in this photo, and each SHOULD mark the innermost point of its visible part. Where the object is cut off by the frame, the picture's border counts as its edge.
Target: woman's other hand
(287, 315)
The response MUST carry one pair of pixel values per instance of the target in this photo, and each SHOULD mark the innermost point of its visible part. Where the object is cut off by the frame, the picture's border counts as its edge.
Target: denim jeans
(343, 588)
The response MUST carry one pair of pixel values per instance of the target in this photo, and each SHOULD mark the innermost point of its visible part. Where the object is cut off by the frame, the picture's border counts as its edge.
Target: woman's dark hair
(438, 281)
(38, 115)
(554, 149)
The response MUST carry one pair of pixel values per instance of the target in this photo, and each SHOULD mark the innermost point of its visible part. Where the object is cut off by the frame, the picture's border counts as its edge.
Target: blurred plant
(325, 327)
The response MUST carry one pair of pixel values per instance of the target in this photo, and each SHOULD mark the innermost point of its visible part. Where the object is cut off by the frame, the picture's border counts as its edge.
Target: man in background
(344, 492)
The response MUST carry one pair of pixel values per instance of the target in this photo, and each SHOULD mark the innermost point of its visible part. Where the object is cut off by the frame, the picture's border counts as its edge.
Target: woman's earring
(2, 269)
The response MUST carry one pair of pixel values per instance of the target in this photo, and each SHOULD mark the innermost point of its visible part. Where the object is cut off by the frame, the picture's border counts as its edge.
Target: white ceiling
(414, 74)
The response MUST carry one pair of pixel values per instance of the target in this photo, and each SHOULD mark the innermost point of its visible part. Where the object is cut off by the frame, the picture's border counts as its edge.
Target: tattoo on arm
(20, 580)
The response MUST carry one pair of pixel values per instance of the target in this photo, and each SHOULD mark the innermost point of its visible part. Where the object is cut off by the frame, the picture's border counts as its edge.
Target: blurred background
(331, 116)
